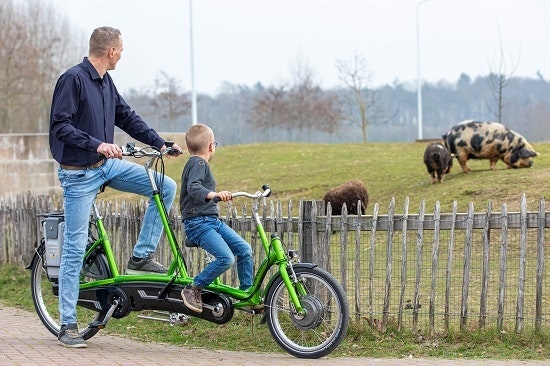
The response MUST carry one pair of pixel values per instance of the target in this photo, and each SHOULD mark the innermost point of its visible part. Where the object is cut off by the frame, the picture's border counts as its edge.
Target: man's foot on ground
(69, 337)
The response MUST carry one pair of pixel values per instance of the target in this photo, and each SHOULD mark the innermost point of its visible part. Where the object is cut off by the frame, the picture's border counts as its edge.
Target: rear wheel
(325, 322)
(45, 293)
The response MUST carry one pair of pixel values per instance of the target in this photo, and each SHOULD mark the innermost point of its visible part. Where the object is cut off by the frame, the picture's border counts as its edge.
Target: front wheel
(45, 293)
(323, 326)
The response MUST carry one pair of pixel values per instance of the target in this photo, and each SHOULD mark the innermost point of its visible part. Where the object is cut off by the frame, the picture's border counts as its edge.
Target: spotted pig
(488, 140)
(438, 160)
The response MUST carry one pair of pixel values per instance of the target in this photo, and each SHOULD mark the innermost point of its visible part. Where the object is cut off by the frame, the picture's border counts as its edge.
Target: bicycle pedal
(97, 324)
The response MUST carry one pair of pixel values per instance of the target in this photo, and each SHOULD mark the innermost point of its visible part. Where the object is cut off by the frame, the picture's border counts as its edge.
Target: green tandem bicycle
(304, 306)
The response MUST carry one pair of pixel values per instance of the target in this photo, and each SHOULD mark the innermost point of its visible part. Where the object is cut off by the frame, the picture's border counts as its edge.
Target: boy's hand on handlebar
(224, 196)
(110, 151)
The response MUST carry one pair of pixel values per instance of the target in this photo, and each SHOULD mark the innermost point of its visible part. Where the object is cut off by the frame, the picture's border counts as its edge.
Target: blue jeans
(80, 188)
(218, 239)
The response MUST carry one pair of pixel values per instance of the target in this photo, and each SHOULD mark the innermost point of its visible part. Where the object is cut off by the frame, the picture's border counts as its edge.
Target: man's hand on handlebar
(110, 151)
(175, 150)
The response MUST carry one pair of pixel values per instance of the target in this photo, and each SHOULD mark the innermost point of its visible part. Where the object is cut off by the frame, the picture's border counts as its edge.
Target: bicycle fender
(36, 250)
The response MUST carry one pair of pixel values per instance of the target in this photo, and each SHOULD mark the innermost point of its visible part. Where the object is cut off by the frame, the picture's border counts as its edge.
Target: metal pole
(193, 92)
(418, 77)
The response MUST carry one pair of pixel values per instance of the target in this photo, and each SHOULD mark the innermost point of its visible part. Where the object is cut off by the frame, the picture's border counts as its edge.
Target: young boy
(201, 221)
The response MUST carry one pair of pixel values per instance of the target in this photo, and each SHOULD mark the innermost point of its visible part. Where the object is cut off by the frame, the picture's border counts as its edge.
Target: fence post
(522, 259)
(403, 265)
(503, 267)
(371, 262)
(449, 267)
(357, 278)
(435, 260)
(419, 247)
(307, 231)
(485, 268)
(540, 265)
(467, 266)
(389, 260)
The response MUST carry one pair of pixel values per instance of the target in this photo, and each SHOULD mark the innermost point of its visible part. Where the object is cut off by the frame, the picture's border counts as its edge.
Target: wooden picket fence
(428, 272)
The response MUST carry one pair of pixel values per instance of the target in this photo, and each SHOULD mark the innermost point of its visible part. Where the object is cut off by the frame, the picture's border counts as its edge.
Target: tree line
(37, 44)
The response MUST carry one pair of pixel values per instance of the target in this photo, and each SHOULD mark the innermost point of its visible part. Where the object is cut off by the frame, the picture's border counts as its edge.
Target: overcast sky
(249, 41)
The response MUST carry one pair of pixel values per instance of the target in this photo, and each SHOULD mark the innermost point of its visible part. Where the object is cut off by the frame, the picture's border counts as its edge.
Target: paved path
(25, 341)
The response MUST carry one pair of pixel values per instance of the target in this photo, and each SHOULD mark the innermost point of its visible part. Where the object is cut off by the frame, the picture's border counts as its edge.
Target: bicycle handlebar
(266, 193)
(138, 152)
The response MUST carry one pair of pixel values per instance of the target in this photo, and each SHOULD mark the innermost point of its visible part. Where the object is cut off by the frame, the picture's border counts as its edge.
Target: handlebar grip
(174, 152)
(216, 199)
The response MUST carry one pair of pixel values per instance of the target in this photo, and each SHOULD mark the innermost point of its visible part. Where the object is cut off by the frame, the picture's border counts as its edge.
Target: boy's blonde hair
(198, 138)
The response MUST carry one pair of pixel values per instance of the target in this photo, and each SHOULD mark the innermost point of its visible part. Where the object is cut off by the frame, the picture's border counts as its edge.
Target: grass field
(298, 171)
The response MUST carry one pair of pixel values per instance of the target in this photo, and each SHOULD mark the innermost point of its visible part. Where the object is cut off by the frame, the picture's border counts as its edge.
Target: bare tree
(311, 108)
(169, 100)
(234, 101)
(499, 80)
(35, 46)
(269, 109)
(300, 109)
(355, 75)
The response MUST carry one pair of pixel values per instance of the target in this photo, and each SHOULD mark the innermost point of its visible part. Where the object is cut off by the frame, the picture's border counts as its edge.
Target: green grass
(298, 171)
(244, 333)
(306, 171)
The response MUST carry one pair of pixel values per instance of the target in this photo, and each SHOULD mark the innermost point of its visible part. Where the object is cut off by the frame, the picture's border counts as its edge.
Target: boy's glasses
(215, 143)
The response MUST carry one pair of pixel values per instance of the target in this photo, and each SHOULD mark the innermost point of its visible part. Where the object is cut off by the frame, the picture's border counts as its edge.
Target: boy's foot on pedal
(145, 265)
(191, 296)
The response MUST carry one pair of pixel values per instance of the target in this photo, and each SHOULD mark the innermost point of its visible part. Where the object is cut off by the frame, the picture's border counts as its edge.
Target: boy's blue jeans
(218, 239)
(80, 188)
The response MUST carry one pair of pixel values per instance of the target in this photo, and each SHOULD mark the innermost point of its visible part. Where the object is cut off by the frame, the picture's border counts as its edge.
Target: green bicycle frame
(177, 271)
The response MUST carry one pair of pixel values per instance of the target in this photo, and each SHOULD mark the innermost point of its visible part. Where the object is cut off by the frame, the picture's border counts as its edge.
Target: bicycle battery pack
(53, 227)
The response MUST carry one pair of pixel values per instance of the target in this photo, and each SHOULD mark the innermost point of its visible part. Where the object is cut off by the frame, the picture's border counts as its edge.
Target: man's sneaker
(145, 265)
(69, 337)
(191, 296)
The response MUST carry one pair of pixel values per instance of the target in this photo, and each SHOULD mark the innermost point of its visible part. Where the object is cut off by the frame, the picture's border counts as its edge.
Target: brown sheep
(348, 193)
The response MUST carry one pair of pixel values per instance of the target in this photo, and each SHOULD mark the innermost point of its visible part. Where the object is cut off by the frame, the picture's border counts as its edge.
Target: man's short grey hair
(102, 39)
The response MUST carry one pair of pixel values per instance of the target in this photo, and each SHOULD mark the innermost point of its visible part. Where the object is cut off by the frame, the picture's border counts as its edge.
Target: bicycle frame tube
(104, 239)
(277, 256)
(167, 228)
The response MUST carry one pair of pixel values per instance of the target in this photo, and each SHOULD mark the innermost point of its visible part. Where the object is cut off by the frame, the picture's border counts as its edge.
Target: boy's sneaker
(191, 296)
(69, 337)
(145, 265)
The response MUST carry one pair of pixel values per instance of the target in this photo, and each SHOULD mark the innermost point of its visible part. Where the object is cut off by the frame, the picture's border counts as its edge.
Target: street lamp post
(418, 77)
(193, 92)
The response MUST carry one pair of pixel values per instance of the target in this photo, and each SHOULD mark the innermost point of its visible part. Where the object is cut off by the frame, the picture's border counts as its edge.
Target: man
(86, 107)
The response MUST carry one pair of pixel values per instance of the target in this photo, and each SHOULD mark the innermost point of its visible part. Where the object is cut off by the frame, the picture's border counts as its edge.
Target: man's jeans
(218, 239)
(80, 188)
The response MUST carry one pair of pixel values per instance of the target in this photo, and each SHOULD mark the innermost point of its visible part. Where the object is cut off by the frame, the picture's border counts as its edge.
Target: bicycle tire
(46, 301)
(326, 321)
